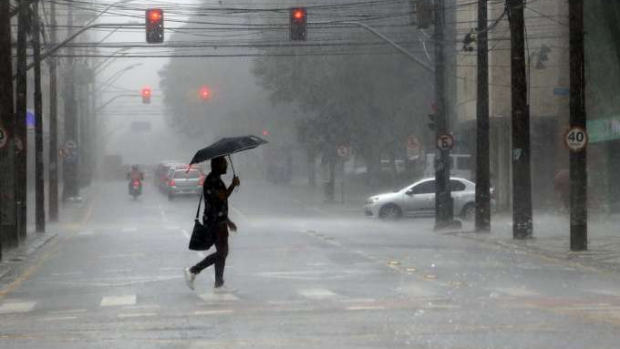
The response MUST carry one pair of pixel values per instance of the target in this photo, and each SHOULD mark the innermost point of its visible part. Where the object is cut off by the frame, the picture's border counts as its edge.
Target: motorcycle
(135, 189)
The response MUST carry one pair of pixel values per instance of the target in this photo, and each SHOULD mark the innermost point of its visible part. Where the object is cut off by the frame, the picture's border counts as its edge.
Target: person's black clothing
(216, 209)
(216, 218)
(218, 257)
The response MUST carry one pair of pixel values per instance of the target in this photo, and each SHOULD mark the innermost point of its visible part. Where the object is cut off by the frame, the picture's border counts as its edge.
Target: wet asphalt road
(303, 278)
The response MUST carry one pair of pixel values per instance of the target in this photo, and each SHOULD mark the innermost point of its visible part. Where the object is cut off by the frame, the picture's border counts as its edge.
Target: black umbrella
(227, 146)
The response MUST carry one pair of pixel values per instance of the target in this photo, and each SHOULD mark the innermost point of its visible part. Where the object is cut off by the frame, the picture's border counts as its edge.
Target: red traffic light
(154, 25)
(146, 95)
(205, 93)
(265, 132)
(154, 15)
(298, 21)
(299, 14)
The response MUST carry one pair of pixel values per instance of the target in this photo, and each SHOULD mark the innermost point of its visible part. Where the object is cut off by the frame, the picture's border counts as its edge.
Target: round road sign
(445, 142)
(4, 138)
(343, 151)
(576, 139)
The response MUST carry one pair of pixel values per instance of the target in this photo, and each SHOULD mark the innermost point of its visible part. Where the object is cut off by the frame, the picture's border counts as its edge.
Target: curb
(523, 246)
(19, 255)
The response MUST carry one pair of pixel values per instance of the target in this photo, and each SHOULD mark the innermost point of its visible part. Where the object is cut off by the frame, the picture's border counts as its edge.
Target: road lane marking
(133, 315)
(317, 293)
(213, 312)
(16, 307)
(71, 311)
(86, 233)
(69, 273)
(214, 297)
(112, 301)
(26, 274)
(114, 271)
(129, 229)
(59, 318)
(366, 307)
(122, 255)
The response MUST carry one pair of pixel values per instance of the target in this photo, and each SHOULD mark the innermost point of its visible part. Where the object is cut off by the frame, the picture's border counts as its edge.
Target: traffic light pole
(38, 126)
(21, 131)
(483, 194)
(522, 181)
(53, 123)
(444, 212)
(578, 159)
(8, 226)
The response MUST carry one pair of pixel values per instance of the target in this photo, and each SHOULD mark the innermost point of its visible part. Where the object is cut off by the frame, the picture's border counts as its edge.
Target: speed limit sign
(4, 138)
(445, 142)
(576, 139)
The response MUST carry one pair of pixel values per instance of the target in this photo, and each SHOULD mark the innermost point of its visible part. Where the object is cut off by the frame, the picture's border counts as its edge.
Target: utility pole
(38, 126)
(578, 159)
(521, 175)
(444, 215)
(483, 195)
(53, 120)
(21, 131)
(8, 226)
(70, 165)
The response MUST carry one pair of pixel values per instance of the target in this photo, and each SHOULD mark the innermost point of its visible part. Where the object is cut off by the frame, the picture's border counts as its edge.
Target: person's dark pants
(218, 257)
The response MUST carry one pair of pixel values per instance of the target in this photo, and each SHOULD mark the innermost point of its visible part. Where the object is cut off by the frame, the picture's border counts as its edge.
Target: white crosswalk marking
(132, 315)
(516, 292)
(317, 293)
(213, 312)
(115, 301)
(214, 297)
(16, 307)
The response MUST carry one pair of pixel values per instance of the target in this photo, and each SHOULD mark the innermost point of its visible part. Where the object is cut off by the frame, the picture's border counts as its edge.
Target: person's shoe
(189, 278)
(221, 288)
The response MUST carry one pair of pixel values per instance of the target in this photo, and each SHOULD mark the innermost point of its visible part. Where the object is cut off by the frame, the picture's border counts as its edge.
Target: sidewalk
(69, 213)
(552, 239)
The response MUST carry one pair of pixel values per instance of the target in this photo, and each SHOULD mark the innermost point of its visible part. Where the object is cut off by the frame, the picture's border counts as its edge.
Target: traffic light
(431, 121)
(265, 133)
(204, 93)
(298, 24)
(146, 95)
(154, 26)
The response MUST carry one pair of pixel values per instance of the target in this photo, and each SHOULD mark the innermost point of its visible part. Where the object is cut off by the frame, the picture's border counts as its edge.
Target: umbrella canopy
(227, 146)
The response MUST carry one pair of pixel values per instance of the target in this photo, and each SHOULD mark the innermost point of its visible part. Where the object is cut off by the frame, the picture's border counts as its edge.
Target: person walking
(215, 217)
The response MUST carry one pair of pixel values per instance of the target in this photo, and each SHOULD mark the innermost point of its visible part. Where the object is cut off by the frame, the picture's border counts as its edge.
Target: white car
(418, 199)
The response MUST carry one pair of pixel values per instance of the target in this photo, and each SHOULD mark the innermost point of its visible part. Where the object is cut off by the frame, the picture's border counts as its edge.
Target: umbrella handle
(233, 168)
(231, 164)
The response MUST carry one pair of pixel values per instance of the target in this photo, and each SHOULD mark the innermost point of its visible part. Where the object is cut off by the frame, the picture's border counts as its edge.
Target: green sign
(601, 130)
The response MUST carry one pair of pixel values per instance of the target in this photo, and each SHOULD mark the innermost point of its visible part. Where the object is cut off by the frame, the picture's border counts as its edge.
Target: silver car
(180, 181)
(418, 199)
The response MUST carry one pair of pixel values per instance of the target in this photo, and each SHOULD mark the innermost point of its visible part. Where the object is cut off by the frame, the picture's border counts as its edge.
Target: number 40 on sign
(576, 139)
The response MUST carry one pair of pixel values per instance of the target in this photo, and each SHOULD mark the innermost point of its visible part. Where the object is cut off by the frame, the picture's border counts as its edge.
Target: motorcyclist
(135, 175)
